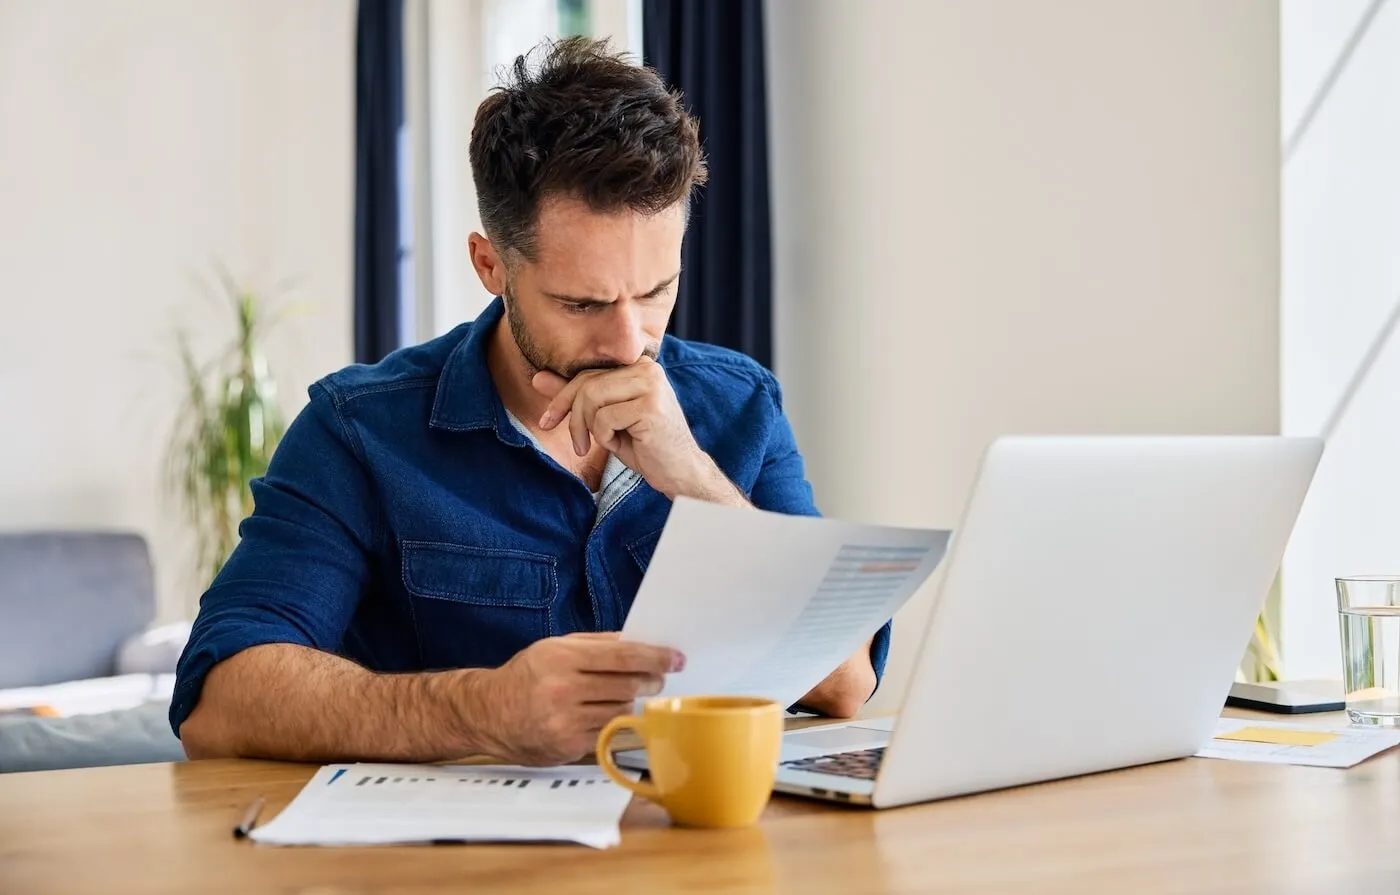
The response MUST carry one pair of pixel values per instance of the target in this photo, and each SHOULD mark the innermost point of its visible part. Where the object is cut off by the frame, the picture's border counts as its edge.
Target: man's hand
(547, 704)
(632, 412)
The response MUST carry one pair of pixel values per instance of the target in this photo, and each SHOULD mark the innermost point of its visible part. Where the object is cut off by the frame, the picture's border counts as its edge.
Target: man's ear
(490, 266)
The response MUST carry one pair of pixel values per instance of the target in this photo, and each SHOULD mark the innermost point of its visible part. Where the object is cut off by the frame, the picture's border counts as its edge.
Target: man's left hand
(632, 412)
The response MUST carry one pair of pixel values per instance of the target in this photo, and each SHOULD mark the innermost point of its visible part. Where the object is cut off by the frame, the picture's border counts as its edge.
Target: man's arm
(545, 706)
(291, 702)
(284, 598)
(259, 677)
(845, 691)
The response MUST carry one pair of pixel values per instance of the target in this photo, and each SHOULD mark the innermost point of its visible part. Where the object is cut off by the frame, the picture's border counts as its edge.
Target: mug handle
(605, 760)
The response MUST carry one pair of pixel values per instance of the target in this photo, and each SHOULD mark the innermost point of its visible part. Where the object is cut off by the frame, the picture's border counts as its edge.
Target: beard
(537, 358)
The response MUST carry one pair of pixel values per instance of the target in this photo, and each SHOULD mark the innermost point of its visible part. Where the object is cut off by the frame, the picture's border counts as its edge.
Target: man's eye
(574, 307)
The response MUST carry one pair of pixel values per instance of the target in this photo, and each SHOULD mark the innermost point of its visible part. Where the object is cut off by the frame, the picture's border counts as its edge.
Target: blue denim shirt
(407, 524)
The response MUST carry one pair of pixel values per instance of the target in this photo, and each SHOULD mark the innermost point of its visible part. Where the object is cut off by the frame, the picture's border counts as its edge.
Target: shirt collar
(466, 398)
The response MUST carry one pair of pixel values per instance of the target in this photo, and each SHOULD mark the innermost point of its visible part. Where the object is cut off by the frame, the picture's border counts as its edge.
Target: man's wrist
(466, 697)
(706, 481)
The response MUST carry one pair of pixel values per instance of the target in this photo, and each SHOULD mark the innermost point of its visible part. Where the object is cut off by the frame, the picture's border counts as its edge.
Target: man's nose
(624, 340)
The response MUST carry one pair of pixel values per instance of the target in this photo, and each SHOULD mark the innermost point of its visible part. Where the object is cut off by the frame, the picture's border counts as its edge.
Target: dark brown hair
(586, 123)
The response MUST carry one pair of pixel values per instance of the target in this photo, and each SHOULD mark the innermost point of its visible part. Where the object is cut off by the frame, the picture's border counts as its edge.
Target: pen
(250, 817)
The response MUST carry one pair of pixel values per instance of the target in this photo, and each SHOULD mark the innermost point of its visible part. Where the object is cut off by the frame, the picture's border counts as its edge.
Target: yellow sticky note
(1280, 736)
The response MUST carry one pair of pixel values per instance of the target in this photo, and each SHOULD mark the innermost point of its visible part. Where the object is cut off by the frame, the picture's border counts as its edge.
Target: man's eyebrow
(590, 300)
(663, 285)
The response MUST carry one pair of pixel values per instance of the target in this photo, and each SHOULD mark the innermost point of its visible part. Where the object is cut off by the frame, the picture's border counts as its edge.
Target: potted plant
(228, 425)
(1261, 660)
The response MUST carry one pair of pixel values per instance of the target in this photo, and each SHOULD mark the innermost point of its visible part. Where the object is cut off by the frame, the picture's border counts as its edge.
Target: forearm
(709, 483)
(845, 691)
(291, 702)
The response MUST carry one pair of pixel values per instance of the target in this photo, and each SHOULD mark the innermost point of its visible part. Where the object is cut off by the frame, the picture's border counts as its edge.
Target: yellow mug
(712, 758)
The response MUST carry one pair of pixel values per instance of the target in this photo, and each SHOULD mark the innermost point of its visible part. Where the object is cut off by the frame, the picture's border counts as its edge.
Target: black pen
(250, 817)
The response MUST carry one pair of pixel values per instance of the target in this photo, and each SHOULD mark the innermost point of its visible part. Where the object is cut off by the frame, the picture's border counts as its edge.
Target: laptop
(1094, 605)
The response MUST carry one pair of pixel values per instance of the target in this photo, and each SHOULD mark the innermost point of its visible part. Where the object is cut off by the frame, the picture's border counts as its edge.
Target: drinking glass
(1370, 620)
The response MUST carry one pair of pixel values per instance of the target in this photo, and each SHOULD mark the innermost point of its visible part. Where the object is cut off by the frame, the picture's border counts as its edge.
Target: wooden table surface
(1189, 826)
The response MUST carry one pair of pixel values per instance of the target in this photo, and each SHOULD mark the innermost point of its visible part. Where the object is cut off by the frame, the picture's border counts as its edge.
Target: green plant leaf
(226, 430)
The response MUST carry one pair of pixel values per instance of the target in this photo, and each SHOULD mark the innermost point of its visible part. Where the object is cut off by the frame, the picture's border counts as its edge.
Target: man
(444, 540)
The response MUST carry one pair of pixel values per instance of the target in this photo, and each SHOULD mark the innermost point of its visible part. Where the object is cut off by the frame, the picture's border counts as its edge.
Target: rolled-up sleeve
(782, 487)
(302, 561)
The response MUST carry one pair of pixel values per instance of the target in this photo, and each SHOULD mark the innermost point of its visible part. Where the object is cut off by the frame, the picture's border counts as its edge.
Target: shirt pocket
(475, 607)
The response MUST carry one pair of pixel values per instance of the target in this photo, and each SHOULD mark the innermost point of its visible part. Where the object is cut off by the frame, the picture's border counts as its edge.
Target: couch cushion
(68, 600)
(130, 736)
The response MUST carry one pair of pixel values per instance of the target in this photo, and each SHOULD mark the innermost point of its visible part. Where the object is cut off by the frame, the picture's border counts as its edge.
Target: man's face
(600, 290)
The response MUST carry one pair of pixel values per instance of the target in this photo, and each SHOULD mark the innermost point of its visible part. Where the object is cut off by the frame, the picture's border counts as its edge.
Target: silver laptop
(1095, 603)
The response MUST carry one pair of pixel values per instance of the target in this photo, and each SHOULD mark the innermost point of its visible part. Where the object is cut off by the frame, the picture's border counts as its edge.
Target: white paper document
(1276, 742)
(767, 604)
(394, 804)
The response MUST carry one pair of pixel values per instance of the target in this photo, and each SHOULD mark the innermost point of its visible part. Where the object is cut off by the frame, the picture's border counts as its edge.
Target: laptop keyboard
(861, 765)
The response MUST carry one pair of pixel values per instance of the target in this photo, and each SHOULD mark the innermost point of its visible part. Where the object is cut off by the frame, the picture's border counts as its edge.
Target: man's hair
(588, 124)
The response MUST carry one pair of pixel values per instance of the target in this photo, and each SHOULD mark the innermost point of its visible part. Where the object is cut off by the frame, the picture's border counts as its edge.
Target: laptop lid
(1097, 599)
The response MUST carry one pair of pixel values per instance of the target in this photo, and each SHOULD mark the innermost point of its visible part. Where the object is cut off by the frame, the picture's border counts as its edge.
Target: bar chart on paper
(381, 804)
(861, 583)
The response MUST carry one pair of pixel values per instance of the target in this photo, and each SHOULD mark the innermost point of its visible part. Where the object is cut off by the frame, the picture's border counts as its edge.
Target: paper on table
(767, 604)
(387, 804)
(1279, 743)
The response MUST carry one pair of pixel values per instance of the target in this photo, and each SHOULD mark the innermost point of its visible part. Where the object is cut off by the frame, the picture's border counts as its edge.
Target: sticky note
(1280, 736)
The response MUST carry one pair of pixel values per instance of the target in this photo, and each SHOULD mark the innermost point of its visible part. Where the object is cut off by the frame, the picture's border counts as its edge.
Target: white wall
(1341, 280)
(143, 140)
(1017, 217)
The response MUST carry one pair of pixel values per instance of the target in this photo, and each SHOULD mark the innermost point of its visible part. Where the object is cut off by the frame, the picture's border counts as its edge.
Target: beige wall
(1017, 217)
(143, 140)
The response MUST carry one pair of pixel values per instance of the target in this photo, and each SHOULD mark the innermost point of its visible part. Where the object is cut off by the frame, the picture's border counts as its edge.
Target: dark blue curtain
(713, 51)
(378, 117)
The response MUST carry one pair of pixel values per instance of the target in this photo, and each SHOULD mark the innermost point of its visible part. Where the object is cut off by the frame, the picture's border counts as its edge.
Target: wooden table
(1189, 826)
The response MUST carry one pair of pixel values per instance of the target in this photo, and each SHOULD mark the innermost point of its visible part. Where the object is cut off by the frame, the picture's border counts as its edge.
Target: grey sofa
(69, 603)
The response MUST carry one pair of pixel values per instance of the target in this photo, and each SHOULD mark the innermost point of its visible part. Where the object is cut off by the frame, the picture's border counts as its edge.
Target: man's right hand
(547, 705)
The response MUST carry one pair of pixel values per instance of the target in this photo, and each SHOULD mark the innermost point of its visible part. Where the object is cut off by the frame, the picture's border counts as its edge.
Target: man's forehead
(587, 254)
(567, 227)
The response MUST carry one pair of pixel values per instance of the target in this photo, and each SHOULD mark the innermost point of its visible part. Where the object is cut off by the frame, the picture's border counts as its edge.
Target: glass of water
(1370, 615)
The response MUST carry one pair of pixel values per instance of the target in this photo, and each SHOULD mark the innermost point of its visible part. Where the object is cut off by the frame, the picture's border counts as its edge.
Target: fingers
(626, 656)
(601, 387)
(611, 686)
(599, 393)
(563, 400)
(548, 383)
(578, 424)
(613, 419)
